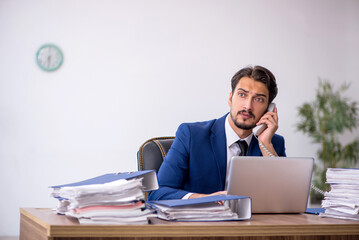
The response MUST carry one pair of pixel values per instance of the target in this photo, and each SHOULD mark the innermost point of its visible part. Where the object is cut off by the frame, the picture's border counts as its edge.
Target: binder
(240, 205)
(113, 198)
(149, 181)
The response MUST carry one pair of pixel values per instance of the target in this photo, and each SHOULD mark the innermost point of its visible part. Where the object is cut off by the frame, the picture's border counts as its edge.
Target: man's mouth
(246, 114)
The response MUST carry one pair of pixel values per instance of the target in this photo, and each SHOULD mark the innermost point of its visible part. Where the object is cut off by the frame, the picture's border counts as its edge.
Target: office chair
(152, 152)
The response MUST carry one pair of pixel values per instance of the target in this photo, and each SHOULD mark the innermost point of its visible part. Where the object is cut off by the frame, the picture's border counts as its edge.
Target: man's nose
(248, 104)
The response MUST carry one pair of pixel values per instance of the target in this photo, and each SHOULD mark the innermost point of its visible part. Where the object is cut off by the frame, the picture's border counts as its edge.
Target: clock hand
(49, 60)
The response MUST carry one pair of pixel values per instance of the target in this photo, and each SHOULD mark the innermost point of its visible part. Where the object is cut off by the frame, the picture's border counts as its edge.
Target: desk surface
(44, 221)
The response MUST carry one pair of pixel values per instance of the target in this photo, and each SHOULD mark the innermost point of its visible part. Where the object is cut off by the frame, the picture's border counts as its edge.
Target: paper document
(107, 199)
(342, 201)
(213, 208)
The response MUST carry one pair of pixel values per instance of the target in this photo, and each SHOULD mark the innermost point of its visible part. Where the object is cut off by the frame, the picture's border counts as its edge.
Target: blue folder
(150, 182)
(315, 211)
(192, 201)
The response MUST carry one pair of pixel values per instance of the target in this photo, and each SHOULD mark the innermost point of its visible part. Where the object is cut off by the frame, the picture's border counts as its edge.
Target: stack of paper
(213, 208)
(107, 199)
(342, 201)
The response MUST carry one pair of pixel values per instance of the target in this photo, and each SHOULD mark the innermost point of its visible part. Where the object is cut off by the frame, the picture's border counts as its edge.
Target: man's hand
(271, 120)
(198, 195)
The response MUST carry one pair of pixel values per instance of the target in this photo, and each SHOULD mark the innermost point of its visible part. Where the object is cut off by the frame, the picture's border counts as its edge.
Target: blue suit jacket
(197, 160)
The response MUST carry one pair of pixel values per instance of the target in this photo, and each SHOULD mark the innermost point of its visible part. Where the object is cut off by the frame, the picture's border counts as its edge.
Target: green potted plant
(324, 120)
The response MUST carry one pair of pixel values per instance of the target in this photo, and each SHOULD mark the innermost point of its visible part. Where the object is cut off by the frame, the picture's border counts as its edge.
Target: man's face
(248, 103)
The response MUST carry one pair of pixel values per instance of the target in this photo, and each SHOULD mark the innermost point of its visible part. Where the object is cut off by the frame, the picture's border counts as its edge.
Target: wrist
(197, 195)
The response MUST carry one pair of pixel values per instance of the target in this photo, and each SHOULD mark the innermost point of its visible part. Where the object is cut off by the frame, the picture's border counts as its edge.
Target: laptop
(275, 184)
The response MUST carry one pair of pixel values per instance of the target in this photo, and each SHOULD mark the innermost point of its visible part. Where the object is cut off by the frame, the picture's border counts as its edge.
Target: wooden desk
(41, 224)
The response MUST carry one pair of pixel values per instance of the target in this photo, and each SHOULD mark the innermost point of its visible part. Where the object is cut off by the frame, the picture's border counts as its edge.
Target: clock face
(49, 57)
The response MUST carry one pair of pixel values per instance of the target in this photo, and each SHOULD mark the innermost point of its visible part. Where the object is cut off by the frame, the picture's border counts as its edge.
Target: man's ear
(230, 99)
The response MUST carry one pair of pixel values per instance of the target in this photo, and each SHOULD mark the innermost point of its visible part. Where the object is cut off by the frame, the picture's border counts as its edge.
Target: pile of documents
(213, 208)
(342, 201)
(107, 199)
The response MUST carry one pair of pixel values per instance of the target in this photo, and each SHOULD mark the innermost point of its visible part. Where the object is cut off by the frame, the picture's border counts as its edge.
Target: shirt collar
(231, 135)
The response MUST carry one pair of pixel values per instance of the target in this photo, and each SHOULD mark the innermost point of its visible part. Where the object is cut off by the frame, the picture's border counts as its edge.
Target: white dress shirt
(232, 147)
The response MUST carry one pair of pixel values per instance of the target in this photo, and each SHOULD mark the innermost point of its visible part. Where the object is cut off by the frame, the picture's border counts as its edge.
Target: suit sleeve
(279, 146)
(174, 169)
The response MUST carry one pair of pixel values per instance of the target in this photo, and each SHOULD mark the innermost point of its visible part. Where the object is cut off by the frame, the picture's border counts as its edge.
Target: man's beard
(243, 125)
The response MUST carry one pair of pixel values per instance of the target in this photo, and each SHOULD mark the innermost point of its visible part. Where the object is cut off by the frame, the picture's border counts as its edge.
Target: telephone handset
(260, 128)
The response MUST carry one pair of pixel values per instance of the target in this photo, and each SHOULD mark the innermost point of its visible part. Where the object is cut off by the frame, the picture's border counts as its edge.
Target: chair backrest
(152, 152)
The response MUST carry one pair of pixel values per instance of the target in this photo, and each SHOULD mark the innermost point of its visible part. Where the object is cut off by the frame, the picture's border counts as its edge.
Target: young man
(196, 164)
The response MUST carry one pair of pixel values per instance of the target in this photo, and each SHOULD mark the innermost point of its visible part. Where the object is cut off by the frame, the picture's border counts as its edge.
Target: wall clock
(49, 57)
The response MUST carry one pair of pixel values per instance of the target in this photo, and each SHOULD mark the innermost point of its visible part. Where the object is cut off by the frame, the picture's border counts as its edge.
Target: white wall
(137, 69)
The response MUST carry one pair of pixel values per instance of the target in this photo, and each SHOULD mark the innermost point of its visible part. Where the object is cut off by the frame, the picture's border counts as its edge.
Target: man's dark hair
(260, 74)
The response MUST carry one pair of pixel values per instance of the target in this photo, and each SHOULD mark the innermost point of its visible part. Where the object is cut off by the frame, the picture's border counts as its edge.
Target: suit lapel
(219, 147)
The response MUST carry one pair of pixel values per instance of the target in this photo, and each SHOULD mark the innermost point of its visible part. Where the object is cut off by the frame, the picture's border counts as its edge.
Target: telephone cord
(265, 149)
(317, 189)
(272, 155)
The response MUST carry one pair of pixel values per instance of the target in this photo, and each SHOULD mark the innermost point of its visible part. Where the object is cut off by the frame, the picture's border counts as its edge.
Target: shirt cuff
(187, 196)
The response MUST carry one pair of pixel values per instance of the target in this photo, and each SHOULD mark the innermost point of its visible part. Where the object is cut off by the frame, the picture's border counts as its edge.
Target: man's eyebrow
(241, 89)
(257, 94)
(261, 95)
